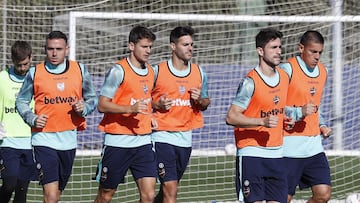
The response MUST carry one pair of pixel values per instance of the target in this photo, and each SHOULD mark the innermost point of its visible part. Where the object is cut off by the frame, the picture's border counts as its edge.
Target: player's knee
(147, 196)
(170, 190)
(322, 197)
(104, 195)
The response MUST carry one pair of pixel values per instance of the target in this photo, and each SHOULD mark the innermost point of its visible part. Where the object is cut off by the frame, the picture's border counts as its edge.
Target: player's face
(141, 50)
(311, 53)
(56, 51)
(183, 48)
(271, 53)
(22, 67)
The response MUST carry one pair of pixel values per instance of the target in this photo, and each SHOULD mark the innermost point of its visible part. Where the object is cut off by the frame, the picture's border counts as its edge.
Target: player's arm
(113, 80)
(235, 116)
(24, 97)
(325, 131)
(200, 96)
(89, 93)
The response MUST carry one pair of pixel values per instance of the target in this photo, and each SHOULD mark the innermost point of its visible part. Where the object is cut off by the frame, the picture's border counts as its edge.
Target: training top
(134, 87)
(181, 116)
(61, 140)
(266, 100)
(305, 141)
(53, 94)
(310, 90)
(18, 133)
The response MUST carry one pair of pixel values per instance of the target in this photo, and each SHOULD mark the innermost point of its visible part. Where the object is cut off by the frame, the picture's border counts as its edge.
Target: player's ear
(301, 48)
(260, 51)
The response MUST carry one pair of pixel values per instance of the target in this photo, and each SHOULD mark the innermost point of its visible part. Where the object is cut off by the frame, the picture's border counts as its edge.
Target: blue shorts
(54, 165)
(116, 161)
(172, 161)
(18, 163)
(307, 172)
(259, 179)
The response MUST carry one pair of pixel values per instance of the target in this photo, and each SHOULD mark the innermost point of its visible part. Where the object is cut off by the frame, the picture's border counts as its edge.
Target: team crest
(145, 89)
(276, 100)
(312, 91)
(60, 86)
(182, 89)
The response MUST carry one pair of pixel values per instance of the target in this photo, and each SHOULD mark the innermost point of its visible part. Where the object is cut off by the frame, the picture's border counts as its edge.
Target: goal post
(336, 20)
(224, 46)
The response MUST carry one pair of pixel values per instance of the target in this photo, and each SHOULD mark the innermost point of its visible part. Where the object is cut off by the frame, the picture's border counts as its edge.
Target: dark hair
(56, 35)
(20, 50)
(140, 32)
(311, 36)
(265, 35)
(180, 31)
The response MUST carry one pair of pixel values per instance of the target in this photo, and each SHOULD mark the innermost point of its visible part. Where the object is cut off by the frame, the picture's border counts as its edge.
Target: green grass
(206, 179)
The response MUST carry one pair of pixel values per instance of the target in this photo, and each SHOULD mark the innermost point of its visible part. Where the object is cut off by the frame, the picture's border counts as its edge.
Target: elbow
(228, 121)
(100, 109)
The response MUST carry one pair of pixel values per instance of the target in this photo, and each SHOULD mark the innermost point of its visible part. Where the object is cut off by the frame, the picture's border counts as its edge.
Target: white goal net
(225, 48)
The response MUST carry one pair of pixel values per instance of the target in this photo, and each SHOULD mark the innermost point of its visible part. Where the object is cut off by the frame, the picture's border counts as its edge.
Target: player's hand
(78, 106)
(140, 107)
(325, 131)
(41, 120)
(289, 123)
(195, 94)
(270, 121)
(2, 131)
(165, 103)
(308, 109)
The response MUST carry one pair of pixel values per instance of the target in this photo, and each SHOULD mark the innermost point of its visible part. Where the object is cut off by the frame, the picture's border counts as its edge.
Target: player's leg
(146, 187)
(54, 169)
(172, 163)
(294, 169)
(9, 165)
(317, 176)
(21, 191)
(143, 169)
(320, 193)
(27, 173)
(275, 171)
(104, 195)
(7, 188)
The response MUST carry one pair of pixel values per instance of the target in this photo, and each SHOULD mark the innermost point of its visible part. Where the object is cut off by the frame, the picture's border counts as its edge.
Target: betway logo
(11, 110)
(273, 112)
(181, 102)
(133, 101)
(59, 100)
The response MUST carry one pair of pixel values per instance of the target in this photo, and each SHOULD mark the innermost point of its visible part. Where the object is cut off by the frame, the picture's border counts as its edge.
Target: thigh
(113, 166)
(262, 179)
(47, 164)
(171, 160)
(66, 162)
(316, 171)
(295, 167)
(27, 165)
(10, 162)
(144, 162)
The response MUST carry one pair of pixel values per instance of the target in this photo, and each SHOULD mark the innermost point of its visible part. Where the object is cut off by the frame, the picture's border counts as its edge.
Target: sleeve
(113, 78)
(23, 100)
(244, 93)
(204, 85)
(89, 93)
(294, 112)
(156, 73)
(287, 68)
